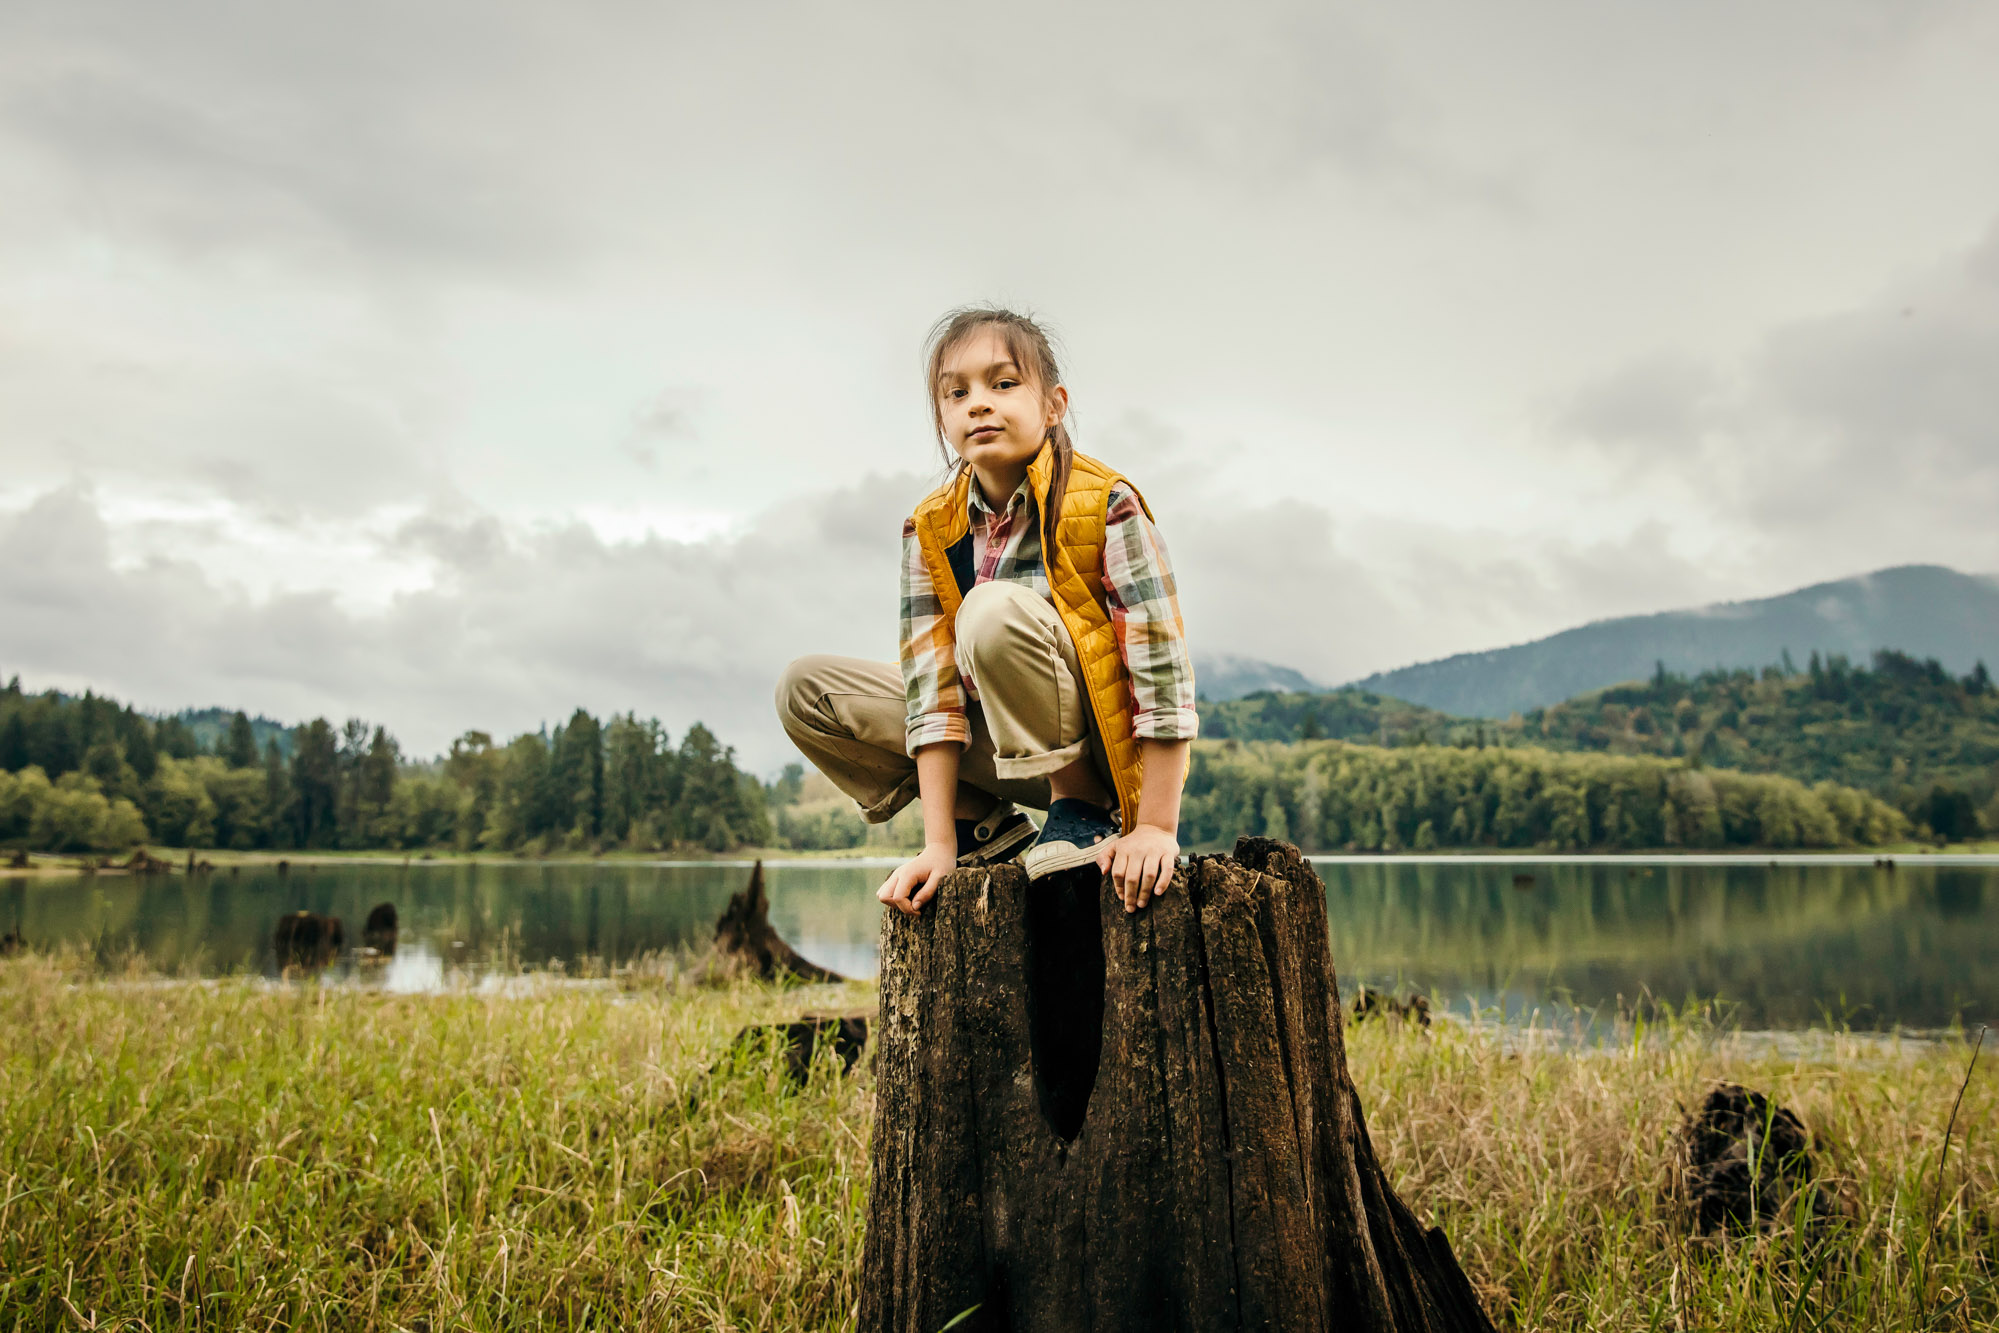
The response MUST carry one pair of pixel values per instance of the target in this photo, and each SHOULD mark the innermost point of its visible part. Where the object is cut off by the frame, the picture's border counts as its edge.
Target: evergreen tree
(14, 738)
(175, 739)
(239, 749)
(577, 772)
(316, 784)
(280, 818)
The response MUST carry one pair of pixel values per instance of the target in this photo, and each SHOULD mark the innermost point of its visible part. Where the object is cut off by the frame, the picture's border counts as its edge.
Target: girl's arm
(937, 729)
(1141, 862)
(1145, 610)
(915, 881)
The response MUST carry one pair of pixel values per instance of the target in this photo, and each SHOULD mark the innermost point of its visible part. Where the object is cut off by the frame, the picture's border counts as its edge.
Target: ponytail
(1064, 457)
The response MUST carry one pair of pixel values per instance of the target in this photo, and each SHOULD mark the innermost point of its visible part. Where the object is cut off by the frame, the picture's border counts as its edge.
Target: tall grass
(239, 1154)
(1552, 1165)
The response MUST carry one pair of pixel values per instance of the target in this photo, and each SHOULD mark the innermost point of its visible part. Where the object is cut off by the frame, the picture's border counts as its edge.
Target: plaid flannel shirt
(1006, 544)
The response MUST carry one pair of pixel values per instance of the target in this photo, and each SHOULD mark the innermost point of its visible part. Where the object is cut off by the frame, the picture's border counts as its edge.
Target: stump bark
(743, 932)
(1088, 1120)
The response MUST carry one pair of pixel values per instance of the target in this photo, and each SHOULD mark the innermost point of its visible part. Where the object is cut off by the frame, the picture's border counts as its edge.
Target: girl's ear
(1057, 403)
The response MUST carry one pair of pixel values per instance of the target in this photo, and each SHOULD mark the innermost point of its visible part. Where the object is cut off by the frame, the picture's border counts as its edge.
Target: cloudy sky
(452, 365)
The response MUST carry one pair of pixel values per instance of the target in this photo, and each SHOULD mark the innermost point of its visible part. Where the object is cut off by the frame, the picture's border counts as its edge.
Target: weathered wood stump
(743, 932)
(379, 931)
(1088, 1120)
(1743, 1161)
(307, 940)
(846, 1034)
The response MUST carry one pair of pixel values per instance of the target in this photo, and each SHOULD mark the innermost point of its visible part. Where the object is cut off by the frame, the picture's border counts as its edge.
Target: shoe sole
(1000, 849)
(1062, 856)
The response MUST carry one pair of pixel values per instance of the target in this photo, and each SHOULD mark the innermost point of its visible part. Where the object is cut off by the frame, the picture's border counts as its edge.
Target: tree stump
(743, 933)
(1088, 1120)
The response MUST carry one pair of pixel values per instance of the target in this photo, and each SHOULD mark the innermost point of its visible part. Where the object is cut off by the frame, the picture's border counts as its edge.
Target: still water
(1785, 946)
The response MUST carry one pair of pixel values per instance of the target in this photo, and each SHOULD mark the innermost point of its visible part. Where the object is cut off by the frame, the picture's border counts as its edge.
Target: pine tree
(239, 749)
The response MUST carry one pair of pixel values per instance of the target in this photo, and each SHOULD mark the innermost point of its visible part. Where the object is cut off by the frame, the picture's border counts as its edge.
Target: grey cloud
(285, 438)
(1845, 441)
(1904, 392)
(274, 131)
(1306, 97)
(1665, 401)
(328, 264)
(665, 419)
(521, 625)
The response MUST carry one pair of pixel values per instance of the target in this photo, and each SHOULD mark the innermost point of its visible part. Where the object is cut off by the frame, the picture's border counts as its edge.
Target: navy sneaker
(996, 838)
(1075, 833)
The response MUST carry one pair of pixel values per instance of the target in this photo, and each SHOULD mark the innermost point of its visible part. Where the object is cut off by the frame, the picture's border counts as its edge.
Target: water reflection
(411, 970)
(1792, 946)
(1789, 945)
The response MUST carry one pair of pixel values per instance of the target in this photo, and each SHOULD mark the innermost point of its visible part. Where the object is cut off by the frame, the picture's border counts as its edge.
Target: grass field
(236, 1154)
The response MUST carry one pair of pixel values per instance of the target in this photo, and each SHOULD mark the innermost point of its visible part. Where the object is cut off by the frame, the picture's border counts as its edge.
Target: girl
(1044, 663)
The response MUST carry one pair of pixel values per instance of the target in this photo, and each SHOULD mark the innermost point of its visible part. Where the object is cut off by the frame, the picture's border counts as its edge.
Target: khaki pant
(849, 716)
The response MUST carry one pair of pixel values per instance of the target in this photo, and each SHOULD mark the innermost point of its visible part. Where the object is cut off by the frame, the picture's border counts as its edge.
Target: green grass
(238, 1154)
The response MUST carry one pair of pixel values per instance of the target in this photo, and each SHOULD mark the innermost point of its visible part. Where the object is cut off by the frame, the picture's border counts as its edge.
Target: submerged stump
(743, 934)
(1088, 1120)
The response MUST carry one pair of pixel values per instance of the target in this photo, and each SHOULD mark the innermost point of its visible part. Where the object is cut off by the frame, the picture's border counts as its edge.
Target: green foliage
(89, 775)
(1903, 730)
(70, 814)
(1327, 795)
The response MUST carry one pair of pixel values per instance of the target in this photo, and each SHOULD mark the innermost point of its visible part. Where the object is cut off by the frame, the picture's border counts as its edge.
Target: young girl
(1044, 663)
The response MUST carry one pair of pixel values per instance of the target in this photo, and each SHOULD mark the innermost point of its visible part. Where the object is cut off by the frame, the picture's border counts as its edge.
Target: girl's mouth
(985, 432)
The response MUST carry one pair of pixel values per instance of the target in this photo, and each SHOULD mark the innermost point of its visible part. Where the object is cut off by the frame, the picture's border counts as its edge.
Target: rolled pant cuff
(1016, 767)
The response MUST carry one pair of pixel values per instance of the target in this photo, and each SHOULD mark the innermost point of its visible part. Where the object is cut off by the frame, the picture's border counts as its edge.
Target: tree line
(1333, 796)
(87, 773)
(90, 774)
(1903, 729)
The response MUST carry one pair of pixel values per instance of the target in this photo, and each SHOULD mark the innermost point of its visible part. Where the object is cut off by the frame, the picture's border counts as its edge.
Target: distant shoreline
(50, 864)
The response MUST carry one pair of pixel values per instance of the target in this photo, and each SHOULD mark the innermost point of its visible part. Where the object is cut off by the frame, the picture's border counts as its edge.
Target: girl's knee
(799, 684)
(997, 612)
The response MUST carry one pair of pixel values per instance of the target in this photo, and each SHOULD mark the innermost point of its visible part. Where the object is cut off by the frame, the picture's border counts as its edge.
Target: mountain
(1922, 610)
(1225, 676)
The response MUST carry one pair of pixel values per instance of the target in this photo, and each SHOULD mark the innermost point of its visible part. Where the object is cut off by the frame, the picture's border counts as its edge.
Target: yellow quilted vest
(1075, 570)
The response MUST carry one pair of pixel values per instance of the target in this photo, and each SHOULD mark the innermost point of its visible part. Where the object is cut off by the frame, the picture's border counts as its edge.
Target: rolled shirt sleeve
(934, 693)
(1145, 611)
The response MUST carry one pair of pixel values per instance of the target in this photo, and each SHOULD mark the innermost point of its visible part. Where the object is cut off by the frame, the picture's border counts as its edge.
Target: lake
(1802, 944)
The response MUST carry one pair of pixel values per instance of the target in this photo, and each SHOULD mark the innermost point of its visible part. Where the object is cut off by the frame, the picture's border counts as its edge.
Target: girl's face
(993, 415)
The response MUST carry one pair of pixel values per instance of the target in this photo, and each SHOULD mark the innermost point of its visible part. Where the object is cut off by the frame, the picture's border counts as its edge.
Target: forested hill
(1905, 730)
(1922, 610)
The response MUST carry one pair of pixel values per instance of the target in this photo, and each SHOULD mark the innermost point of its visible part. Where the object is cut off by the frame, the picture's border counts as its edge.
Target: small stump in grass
(1744, 1162)
(1088, 1120)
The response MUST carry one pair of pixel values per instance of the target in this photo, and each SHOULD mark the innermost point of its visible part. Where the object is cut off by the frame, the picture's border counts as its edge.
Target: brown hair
(1028, 347)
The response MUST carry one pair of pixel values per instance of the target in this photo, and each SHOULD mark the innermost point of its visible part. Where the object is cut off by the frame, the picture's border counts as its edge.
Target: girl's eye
(1005, 384)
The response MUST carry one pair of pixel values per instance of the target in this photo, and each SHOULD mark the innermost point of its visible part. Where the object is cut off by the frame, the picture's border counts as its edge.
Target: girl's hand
(915, 880)
(1140, 863)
